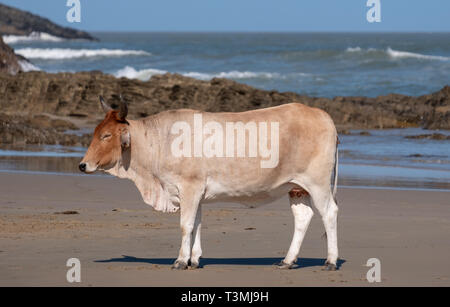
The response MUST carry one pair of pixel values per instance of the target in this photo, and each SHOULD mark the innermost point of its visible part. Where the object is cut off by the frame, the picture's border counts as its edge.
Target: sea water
(316, 64)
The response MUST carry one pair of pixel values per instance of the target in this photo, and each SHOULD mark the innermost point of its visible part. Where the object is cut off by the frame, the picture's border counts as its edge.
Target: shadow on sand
(301, 263)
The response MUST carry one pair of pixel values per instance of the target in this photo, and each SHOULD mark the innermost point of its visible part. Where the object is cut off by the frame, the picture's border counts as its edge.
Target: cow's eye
(105, 136)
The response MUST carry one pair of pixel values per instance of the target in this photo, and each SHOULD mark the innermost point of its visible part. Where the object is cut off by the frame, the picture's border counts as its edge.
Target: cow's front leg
(197, 246)
(188, 211)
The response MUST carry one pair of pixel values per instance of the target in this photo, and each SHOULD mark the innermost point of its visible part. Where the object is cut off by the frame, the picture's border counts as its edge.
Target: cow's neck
(139, 163)
(141, 158)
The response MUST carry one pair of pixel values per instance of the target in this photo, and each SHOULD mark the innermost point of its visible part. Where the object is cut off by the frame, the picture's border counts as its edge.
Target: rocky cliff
(9, 61)
(76, 95)
(73, 98)
(17, 22)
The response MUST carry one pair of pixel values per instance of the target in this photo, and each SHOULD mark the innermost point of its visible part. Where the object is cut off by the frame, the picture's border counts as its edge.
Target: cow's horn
(106, 108)
(123, 109)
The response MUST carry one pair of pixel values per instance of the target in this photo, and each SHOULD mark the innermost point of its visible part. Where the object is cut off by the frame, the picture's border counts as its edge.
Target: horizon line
(270, 31)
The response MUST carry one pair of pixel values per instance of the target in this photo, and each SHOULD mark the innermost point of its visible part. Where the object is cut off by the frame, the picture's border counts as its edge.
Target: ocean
(315, 64)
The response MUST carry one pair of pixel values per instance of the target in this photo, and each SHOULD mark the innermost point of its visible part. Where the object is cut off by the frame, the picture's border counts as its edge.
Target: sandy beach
(82, 96)
(120, 241)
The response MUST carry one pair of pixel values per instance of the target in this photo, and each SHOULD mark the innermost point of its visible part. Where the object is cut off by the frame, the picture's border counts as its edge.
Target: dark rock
(67, 212)
(16, 129)
(73, 97)
(415, 156)
(9, 61)
(76, 95)
(343, 132)
(364, 133)
(17, 22)
(348, 132)
(62, 125)
(434, 136)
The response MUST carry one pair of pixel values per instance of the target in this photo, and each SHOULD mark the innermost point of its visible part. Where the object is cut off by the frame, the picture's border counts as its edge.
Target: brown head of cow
(110, 138)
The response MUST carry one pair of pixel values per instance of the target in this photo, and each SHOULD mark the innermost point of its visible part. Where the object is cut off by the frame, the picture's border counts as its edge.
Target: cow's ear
(125, 139)
(106, 108)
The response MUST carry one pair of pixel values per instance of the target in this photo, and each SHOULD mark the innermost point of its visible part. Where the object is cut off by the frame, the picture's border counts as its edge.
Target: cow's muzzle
(82, 167)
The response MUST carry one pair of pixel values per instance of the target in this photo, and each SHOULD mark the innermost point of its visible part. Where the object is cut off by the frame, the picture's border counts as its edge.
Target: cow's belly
(250, 196)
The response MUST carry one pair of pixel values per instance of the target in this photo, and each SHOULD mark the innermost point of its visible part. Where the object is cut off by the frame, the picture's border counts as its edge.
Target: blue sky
(245, 15)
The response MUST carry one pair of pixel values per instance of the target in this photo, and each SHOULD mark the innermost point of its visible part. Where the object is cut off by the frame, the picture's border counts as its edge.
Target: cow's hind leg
(300, 205)
(324, 202)
(197, 247)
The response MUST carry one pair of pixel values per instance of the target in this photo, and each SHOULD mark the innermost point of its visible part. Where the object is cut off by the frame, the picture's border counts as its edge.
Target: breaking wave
(27, 66)
(233, 75)
(145, 74)
(63, 54)
(404, 54)
(353, 49)
(33, 37)
(398, 54)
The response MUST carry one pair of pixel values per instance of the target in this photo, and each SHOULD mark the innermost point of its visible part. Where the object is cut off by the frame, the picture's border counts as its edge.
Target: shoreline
(374, 158)
(121, 241)
(343, 186)
(388, 177)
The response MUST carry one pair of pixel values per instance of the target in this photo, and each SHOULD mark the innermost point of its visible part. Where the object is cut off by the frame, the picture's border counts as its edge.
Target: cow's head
(111, 138)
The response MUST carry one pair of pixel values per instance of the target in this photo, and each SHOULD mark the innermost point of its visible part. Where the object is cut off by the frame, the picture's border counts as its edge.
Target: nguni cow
(177, 163)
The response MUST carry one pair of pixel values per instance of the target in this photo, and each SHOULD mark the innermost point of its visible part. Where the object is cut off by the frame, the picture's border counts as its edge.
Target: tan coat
(303, 157)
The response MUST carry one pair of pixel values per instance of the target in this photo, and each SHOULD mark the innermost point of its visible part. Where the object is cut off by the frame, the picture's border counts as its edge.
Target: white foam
(398, 54)
(62, 53)
(404, 54)
(248, 75)
(144, 74)
(33, 37)
(359, 49)
(353, 49)
(232, 75)
(27, 66)
(198, 75)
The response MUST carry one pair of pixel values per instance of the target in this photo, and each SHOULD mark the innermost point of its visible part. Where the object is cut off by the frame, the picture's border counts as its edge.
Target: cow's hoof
(284, 266)
(179, 265)
(195, 265)
(329, 267)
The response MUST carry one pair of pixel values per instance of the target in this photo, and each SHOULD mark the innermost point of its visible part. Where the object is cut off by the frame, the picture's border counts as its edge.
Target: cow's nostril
(82, 167)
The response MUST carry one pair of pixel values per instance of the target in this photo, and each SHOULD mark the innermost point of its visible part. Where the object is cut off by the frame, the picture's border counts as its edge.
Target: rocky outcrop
(9, 61)
(41, 108)
(15, 129)
(17, 22)
(436, 114)
(433, 136)
(76, 95)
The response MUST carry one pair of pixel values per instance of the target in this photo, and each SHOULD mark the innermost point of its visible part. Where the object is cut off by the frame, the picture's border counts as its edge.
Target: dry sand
(120, 241)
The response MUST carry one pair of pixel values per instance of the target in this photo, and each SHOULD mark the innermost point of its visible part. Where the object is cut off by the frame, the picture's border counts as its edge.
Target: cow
(142, 150)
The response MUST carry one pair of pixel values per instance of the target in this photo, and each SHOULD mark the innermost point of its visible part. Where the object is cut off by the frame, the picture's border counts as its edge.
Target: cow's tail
(336, 162)
(335, 179)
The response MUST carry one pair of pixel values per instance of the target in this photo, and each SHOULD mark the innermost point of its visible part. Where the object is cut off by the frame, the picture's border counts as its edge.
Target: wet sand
(120, 241)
